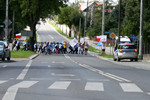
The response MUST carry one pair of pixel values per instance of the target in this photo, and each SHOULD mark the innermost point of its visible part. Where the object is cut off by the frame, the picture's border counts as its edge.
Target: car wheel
(8, 58)
(3, 58)
(114, 59)
(136, 59)
(118, 59)
(131, 59)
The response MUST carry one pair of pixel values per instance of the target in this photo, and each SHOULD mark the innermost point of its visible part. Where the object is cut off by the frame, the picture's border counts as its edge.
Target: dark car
(4, 50)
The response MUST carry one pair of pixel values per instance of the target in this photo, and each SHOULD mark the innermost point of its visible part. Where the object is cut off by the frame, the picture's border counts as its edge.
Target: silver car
(126, 51)
(4, 51)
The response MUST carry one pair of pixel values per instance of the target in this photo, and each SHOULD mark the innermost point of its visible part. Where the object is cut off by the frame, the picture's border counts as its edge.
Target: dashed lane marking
(58, 62)
(53, 74)
(117, 78)
(24, 71)
(51, 37)
(4, 66)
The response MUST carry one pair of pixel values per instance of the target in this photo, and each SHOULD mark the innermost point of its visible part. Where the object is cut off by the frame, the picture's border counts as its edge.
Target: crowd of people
(60, 48)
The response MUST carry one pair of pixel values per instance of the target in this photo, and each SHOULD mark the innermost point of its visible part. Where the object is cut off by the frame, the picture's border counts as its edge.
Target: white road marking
(148, 93)
(44, 62)
(101, 80)
(53, 74)
(24, 71)
(117, 78)
(70, 79)
(12, 91)
(130, 87)
(112, 77)
(94, 86)
(49, 65)
(57, 62)
(51, 37)
(1, 82)
(60, 85)
(4, 66)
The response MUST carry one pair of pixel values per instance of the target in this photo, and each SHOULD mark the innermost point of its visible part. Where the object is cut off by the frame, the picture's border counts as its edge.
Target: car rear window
(127, 47)
(1, 45)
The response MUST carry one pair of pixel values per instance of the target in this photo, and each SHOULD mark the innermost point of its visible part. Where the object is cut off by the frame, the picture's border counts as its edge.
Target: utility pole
(6, 33)
(119, 20)
(141, 31)
(79, 29)
(103, 18)
(13, 32)
(86, 19)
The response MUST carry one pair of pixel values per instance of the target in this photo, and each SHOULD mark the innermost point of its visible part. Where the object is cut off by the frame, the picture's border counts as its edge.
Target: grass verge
(59, 30)
(92, 49)
(106, 55)
(21, 54)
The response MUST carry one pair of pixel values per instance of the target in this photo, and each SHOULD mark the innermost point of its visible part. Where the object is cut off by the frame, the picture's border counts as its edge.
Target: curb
(99, 57)
(33, 56)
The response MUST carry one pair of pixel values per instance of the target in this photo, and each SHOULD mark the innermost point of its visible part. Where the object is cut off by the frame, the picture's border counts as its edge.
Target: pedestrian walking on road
(86, 48)
(35, 47)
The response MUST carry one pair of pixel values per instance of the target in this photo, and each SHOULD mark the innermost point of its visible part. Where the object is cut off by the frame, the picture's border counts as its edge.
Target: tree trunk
(33, 38)
(70, 31)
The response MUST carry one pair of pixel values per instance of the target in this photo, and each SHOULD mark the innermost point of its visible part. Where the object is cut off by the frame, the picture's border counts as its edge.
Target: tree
(70, 16)
(65, 17)
(32, 10)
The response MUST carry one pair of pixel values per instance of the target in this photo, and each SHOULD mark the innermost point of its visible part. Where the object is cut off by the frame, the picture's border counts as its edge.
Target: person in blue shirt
(47, 48)
(35, 47)
(60, 48)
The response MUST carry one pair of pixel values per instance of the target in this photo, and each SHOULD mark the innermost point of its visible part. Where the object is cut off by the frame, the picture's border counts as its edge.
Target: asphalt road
(72, 77)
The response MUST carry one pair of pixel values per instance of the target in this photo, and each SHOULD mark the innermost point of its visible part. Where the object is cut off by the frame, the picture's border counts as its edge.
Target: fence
(146, 51)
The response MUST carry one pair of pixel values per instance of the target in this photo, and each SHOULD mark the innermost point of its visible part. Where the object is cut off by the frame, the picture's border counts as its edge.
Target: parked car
(4, 51)
(126, 51)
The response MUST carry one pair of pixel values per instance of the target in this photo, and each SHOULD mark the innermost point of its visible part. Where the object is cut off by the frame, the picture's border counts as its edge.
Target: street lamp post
(119, 24)
(86, 19)
(103, 18)
(141, 31)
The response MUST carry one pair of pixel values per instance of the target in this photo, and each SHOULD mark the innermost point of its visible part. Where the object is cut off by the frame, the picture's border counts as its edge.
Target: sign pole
(6, 33)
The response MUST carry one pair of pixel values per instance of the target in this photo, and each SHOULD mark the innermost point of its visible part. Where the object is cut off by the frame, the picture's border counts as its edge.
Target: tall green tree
(70, 16)
(32, 10)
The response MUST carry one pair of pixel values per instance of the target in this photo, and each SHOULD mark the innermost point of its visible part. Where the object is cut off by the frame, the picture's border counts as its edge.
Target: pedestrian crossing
(88, 86)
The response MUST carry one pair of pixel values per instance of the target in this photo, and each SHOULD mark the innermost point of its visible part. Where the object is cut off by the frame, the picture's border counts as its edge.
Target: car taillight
(135, 50)
(120, 50)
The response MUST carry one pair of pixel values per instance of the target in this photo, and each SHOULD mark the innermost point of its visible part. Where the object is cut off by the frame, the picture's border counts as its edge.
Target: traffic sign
(112, 35)
(2, 26)
(26, 33)
(9, 30)
(133, 37)
(9, 22)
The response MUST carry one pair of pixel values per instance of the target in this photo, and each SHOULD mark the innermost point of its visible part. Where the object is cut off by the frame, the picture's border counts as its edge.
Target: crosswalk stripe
(94, 86)
(25, 84)
(130, 87)
(60, 85)
(12, 91)
(1, 82)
